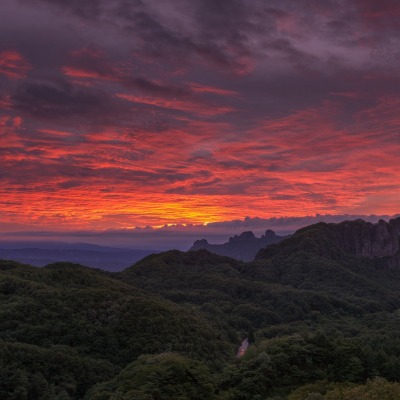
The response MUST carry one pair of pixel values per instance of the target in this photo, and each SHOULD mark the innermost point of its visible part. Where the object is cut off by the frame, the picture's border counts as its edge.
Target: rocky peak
(200, 244)
(269, 234)
(249, 235)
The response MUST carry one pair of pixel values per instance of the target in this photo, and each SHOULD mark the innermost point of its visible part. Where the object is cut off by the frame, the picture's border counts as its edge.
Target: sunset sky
(116, 114)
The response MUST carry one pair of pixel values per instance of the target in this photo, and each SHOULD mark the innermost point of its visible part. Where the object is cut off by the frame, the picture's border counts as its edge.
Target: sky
(120, 115)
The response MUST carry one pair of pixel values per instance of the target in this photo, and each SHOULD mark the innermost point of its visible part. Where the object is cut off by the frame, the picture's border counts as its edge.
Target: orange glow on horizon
(113, 179)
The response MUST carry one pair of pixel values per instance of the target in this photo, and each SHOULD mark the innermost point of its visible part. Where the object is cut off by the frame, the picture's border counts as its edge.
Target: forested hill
(321, 317)
(378, 241)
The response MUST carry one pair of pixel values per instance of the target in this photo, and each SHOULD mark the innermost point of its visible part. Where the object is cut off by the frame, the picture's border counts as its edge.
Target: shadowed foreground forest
(322, 322)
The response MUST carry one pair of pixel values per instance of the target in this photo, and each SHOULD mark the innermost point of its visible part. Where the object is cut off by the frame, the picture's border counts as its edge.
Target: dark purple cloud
(57, 100)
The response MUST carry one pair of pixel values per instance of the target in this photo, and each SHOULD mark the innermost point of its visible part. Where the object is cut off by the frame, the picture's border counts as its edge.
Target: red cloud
(13, 65)
(213, 90)
(180, 105)
(75, 72)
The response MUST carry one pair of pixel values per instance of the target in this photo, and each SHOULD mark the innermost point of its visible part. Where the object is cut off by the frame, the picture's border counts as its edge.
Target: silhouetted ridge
(173, 265)
(241, 247)
(378, 241)
(249, 235)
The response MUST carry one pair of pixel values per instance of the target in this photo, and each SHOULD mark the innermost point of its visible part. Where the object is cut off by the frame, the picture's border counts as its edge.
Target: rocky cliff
(370, 240)
(379, 241)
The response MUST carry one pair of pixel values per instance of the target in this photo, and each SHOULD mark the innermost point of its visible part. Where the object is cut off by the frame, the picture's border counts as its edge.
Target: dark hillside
(75, 314)
(379, 242)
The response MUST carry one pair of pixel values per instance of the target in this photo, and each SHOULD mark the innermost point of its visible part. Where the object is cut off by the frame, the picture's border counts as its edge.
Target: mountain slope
(349, 238)
(352, 260)
(248, 296)
(70, 314)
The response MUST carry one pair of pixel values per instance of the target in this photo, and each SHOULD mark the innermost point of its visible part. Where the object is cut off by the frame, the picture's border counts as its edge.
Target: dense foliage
(322, 325)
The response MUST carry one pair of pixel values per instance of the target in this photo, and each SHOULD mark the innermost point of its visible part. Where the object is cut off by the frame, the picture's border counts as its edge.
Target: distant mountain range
(241, 247)
(40, 254)
(378, 241)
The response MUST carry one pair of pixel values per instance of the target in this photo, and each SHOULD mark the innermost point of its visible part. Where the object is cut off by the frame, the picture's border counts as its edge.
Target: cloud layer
(117, 114)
